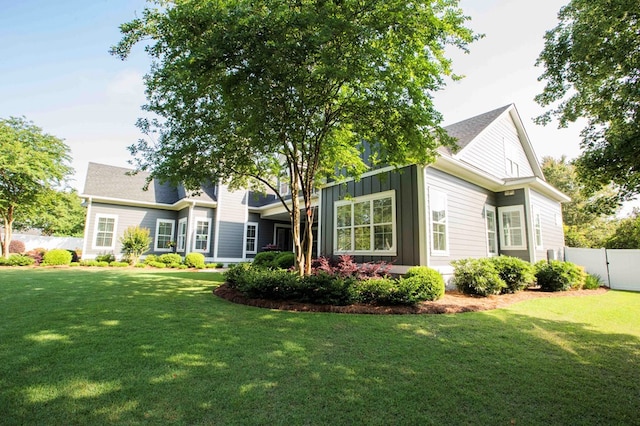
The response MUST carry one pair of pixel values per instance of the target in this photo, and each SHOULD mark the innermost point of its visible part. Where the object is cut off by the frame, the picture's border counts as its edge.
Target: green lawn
(148, 347)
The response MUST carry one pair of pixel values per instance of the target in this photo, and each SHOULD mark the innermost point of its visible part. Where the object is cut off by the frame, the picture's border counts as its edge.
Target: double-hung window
(439, 222)
(366, 225)
(181, 242)
(251, 238)
(537, 227)
(492, 230)
(203, 235)
(104, 235)
(164, 234)
(512, 228)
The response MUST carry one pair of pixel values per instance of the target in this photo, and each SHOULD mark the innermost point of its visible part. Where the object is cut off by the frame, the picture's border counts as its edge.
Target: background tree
(58, 213)
(259, 91)
(627, 234)
(31, 164)
(588, 218)
(592, 70)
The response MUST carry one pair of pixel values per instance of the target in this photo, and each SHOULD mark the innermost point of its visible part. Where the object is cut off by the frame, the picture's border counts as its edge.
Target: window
(164, 234)
(181, 242)
(105, 231)
(251, 238)
(366, 225)
(203, 229)
(537, 227)
(438, 215)
(512, 236)
(511, 156)
(283, 186)
(492, 229)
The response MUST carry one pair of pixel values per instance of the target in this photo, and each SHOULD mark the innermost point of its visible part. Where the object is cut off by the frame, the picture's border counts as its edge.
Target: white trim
(178, 205)
(184, 246)
(536, 219)
(319, 222)
(489, 208)
(216, 226)
(87, 221)
(423, 208)
(155, 237)
(370, 198)
(433, 192)
(95, 231)
(246, 239)
(195, 234)
(523, 226)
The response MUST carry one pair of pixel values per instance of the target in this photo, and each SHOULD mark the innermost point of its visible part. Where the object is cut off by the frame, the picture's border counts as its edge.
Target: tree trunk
(5, 241)
(295, 226)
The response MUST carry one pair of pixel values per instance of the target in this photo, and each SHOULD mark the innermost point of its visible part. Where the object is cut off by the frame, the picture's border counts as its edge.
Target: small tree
(135, 241)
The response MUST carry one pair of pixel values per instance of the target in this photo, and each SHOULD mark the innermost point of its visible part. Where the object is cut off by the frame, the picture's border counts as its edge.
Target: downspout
(189, 237)
(528, 214)
(86, 227)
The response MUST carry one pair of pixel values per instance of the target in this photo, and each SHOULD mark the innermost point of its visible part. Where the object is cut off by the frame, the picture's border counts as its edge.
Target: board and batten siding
(230, 223)
(404, 182)
(552, 231)
(515, 198)
(488, 151)
(466, 227)
(126, 216)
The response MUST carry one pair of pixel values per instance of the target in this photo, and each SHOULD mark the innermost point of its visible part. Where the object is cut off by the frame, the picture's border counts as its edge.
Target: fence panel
(594, 261)
(623, 269)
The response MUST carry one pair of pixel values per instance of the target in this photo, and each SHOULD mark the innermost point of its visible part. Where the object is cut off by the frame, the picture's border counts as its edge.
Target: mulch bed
(452, 302)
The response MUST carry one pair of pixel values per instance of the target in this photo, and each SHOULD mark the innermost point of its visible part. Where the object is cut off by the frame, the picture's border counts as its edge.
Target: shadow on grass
(159, 348)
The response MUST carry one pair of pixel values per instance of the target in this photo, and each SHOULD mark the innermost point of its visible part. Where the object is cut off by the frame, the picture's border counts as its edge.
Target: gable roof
(118, 184)
(467, 130)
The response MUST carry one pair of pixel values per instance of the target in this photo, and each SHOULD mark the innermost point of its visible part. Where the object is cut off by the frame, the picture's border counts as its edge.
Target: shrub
(116, 264)
(427, 283)
(74, 256)
(477, 276)
(106, 257)
(155, 264)
(517, 274)
(150, 258)
(328, 289)
(377, 291)
(74, 264)
(102, 264)
(140, 265)
(592, 282)
(194, 260)
(284, 260)
(345, 266)
(235, 275)
(16, 260)
(135, 241)
(170, 258)
(265, 259)
(210, 265)
(557, 275)
(57, 257)
(37, 255)
(89, 263)
(16, 246)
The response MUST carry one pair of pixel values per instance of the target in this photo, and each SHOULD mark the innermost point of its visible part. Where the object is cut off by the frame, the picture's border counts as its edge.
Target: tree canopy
(31, 164)
(592, 70)
(57, 212)
(251, 91)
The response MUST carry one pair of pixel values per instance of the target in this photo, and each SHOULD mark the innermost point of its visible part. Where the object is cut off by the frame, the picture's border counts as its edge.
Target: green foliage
(194, 260)
(156, 264)
(135, 241)
(106, 257)
(170, 258)
(477, 276)
(140, 265)
(116, 264)
(517, 274)
(284, 260)
(426, 283)
(557, 275)
(57, 213)
(57, 257)
(236, 273)
(150, 258)
(377, 291)
(310, 83)
(592, 282)
(265, 259)
(592, 60)
(16, 260)
(626, 234)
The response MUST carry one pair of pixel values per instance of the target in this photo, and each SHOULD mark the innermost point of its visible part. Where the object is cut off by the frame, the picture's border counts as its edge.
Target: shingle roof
(467, 130)
(115, 182)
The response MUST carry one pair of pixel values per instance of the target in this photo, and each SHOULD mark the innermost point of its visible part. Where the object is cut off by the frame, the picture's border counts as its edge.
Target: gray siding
(487, 152)
(203, 213)
(232, 211)
(404, 183)
(466, 225)
(552, 231)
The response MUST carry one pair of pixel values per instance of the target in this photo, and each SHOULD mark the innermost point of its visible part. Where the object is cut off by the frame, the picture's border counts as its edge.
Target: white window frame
(113, 237)
(433, 195)
(512, 167)
(181, 236)
(503, 241)
(392, 251)
(195, 234)
(537, 227)
(254, 238)
(157, 234)
(492, 234)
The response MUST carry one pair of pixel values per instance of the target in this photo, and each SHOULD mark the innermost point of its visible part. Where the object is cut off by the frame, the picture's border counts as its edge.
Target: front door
(284, 240)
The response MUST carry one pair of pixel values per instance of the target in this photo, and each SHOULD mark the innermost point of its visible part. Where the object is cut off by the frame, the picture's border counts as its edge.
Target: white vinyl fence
(617, 268)
(40, 241)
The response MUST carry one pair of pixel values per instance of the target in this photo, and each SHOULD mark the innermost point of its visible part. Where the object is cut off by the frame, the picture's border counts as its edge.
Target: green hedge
(556, 275)
(194, 260)
(57, 257)
(477, 276)
(516, 273)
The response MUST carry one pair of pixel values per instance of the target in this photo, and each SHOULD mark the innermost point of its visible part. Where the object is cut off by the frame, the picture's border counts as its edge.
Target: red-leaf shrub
(16, 246)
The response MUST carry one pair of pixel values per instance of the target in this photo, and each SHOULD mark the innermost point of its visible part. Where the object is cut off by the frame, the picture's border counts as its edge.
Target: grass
(149, 347)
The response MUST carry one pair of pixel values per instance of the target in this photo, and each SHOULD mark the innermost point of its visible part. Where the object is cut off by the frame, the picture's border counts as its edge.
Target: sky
(55, 70)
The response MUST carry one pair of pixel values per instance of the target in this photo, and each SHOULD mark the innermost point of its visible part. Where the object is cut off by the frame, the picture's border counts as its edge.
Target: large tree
(592, 70)
(260, 91)
(31, 164)
(58, 212)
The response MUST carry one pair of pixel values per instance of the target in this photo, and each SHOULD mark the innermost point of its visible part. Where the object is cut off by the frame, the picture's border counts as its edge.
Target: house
(487, 198)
